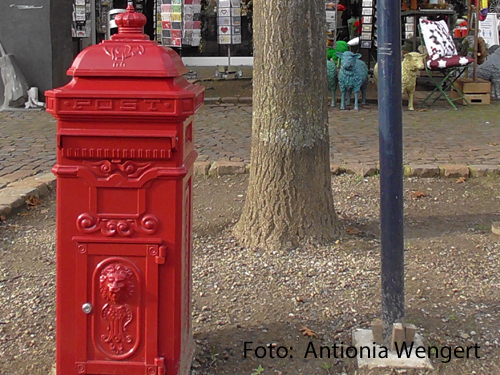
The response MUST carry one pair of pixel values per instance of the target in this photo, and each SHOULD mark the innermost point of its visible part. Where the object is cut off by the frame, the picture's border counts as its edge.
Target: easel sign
(488, 29)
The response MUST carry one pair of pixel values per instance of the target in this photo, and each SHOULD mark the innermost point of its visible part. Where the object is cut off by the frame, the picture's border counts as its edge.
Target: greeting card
(366, 36)
(224, 12)
(224, 21)
(224, 39)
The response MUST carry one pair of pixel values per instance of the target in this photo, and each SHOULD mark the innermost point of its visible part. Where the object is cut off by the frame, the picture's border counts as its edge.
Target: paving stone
(398, 336)
(335, 169)
(221, 168)
(212, 101)
(5, 209)
(201, 167)
(495, 228)
(11, 169)
(424, 171)
(484, 170)
(17, 191)
(410, 330)
(361, 170)
(454, 170)
(12, 201)
(49, 178)
(378, 331)
(229, 99)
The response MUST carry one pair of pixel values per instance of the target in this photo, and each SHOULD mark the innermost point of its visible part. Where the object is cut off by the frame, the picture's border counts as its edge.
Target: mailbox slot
(98, 147)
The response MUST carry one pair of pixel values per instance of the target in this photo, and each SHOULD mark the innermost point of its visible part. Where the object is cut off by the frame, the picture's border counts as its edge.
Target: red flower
(357, 25)
(341, 7)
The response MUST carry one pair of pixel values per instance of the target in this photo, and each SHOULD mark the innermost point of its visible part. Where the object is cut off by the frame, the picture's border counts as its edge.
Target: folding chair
(442, 57)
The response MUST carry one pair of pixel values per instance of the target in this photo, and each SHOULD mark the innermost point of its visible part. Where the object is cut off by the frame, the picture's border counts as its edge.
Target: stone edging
(228, 99)
(15, 194)
(220, 100)
(221, 168)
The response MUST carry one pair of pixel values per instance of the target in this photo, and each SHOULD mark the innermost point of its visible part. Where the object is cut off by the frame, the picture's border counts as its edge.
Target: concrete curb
(224, 167)
(217, 100)
(15, 194)
(228, 100)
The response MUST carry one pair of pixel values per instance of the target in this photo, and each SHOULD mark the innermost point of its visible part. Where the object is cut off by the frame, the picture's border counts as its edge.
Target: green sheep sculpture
(353, 78)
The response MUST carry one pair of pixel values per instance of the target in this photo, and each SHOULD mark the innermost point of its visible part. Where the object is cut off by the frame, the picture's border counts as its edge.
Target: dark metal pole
(391, 163)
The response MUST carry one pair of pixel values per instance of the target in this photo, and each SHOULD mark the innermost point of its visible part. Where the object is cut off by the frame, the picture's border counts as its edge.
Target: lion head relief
(116, 283)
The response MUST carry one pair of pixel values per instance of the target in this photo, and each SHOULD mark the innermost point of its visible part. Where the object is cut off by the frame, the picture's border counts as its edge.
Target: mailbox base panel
(124, 278)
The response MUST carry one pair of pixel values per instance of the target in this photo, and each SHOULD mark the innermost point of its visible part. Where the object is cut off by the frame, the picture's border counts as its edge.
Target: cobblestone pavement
(27, 144)
(434, 136)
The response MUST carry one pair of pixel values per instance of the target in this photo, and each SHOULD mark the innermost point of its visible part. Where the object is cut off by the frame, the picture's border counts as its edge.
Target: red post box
(125, 157)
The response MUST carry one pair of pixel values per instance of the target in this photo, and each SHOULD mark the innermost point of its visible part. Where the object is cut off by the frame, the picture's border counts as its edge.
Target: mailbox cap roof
(129, 53)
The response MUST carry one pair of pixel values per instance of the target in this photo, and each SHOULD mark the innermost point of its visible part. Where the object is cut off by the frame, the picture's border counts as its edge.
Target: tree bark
(289, 199)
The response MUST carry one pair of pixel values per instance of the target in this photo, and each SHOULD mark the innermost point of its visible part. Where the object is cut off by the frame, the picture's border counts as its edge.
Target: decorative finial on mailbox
(130, 22)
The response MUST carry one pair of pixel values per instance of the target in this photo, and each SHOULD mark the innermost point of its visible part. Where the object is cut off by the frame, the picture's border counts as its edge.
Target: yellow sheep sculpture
(412, 63)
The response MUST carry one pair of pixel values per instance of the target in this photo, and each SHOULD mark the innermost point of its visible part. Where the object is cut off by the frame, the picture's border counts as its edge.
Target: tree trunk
(289, 199)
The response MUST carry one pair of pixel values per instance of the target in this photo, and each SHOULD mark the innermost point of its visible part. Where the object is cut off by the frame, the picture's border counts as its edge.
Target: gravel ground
(261, 297)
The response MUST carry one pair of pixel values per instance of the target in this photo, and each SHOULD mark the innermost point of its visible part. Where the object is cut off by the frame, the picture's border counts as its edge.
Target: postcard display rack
(102, 8)
(82, 18)
(81, 24)
(331, 23)
(368, 37)
(228, 33)
(178, 22)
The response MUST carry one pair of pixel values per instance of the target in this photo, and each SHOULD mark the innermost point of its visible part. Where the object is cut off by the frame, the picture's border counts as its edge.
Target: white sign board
(488, 29)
